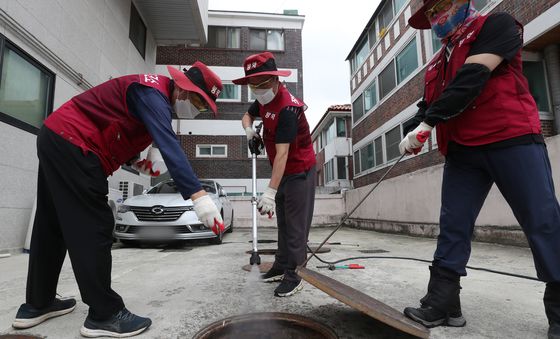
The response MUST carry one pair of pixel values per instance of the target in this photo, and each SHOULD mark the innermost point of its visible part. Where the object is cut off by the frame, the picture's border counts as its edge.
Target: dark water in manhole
(270, 325)
(19, 336)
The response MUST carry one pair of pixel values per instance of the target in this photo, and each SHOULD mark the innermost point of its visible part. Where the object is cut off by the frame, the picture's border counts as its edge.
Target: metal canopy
(363, 302)
(174, 21)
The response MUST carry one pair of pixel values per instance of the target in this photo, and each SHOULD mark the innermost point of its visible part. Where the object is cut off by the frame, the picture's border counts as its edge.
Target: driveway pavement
(184, 289)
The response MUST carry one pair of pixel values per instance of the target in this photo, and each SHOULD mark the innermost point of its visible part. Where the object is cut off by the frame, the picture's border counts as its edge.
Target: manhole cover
(373, 251)
(19, 336)
(270, 325)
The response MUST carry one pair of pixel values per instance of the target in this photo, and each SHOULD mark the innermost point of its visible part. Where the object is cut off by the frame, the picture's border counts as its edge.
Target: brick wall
(236, 165)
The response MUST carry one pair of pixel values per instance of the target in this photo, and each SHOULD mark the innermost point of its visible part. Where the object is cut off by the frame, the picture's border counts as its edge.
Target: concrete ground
(183, 290)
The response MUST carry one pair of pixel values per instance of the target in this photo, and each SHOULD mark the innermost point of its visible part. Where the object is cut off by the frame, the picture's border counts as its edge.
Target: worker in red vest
(291, 190)
(81, 143)
(489, 131)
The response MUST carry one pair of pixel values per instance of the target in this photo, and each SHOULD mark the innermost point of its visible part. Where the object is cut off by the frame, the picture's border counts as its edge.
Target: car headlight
(123, 208)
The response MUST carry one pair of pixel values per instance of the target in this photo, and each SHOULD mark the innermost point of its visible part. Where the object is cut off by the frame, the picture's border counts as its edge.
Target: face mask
(264, 96)
(445, 22)
(185, 109)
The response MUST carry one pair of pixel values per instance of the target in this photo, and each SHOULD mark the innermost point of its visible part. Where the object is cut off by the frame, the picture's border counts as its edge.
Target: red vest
(301, 156)
(504, 109)
(98, 120)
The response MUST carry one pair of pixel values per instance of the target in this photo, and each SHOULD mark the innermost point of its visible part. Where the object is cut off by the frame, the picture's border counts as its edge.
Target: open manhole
(19, 336)
(264, 241)
(270, 325)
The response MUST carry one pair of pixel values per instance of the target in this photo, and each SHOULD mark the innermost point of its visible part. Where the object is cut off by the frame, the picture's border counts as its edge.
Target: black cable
(421, 260)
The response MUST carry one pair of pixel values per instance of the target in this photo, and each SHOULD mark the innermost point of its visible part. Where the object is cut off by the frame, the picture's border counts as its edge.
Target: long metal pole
(254, 201)
(352, 211)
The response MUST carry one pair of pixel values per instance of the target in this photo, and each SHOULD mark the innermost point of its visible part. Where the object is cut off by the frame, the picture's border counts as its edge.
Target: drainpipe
(552, 60)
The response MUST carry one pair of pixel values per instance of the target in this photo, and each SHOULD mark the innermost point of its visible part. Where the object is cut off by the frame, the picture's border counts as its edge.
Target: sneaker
(288, 288)
(27, 316)
(272, 275)
(121, 325)
(431, 317)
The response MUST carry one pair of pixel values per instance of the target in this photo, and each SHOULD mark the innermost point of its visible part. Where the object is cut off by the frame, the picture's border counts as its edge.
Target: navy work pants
(522, 173)
(72, 215)
(295, 201)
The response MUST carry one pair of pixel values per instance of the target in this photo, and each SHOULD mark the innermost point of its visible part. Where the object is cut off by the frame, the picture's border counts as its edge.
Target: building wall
(226, 127)
(411, 204)
(69, 38)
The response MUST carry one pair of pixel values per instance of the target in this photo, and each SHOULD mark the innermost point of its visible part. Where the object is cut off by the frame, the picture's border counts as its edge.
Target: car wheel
(218, 239)
(230, 228)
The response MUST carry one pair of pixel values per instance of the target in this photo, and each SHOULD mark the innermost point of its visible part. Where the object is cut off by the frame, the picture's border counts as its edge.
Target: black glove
(256, 145)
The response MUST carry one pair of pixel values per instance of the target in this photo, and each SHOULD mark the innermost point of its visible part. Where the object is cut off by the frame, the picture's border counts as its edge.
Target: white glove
(267, 202)
(207, 212)
(144, 166)
(250, 133)
(413, 141)
(158, 165)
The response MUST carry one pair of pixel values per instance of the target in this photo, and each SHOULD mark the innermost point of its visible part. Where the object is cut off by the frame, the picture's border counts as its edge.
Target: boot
(551, 301)
(441, 306)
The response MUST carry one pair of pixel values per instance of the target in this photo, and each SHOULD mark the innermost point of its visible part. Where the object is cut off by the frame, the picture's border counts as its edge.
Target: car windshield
(169, 187)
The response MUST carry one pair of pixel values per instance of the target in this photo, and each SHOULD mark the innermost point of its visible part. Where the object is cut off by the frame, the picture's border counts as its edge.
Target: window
(392, 140)
(358, 108)
(357, 162)
(137, 31)
(536, 76)
(362, 53)
(341, 167)
(386, 15)
(230, 92)
(479, 4)
(370, 97)
(372, 36)
(436, 42)
(399, 4)
(224, 37)
(387, 80)
(366, 157)
(340, 127)
(211, 151)
(329, 171)
(330, 133)
(407, 61)
(378, 147)
(26, 89)
(266, 39)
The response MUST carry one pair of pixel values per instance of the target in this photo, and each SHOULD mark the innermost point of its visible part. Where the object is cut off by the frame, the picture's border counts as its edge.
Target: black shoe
(288, 288)
(272, 275)
(123, 324)
(554, 331)
(27, 316)
(430, 317)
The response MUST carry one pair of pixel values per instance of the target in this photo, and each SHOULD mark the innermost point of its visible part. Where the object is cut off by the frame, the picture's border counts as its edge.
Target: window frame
(266, 39)
(133, 9)
(211, 155)
(226, 28)
(396, 59)
(9, 119)
(237, 99)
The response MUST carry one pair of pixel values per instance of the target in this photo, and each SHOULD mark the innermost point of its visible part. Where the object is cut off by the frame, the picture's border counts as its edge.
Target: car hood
(148, 200)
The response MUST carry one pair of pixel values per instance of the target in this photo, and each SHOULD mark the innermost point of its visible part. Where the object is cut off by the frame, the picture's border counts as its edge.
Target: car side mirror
(222, 193)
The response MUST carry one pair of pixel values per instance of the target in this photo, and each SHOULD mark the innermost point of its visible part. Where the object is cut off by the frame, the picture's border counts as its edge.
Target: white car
(161, 214)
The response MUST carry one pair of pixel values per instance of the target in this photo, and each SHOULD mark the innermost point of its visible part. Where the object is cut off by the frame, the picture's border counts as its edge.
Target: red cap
(260, 64)
(419, 20)
(201, 80)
